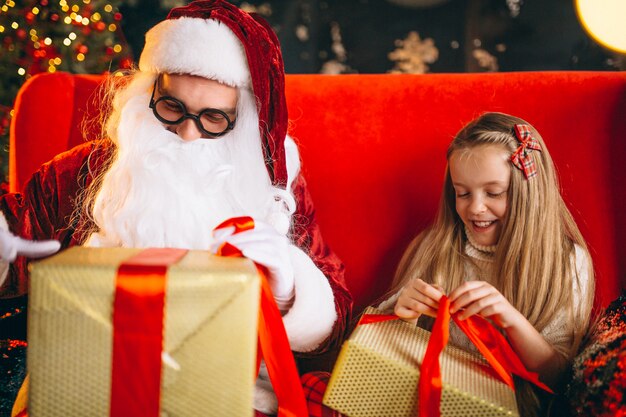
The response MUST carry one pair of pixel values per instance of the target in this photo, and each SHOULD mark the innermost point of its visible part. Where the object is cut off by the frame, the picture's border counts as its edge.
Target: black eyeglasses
(169, 110)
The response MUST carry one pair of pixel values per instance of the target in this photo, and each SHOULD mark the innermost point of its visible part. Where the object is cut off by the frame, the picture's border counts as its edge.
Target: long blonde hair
(534, 260)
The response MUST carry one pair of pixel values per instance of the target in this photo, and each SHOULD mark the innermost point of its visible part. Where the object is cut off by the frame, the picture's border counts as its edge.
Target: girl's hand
(480, 297)
(417, 298)
(537, 355)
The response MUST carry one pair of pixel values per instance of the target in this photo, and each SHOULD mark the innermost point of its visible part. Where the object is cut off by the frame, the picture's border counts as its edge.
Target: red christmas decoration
(44, 35)
(126, 63)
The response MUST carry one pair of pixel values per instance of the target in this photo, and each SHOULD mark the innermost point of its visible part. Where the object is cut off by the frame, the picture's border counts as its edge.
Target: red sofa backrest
(373, 150)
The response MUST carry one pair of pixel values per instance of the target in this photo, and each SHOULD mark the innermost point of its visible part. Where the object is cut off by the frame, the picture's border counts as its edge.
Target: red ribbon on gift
(489, 341)
(138, 311)
(273, 343)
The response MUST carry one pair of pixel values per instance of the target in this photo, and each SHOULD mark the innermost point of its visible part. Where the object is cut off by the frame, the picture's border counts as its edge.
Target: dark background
(517, 35)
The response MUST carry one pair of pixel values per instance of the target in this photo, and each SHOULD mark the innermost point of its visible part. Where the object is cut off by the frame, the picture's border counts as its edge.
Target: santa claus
(197, 135)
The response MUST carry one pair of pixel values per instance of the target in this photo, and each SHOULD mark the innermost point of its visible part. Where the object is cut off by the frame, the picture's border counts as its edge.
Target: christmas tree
(38, 36)
(81, 36)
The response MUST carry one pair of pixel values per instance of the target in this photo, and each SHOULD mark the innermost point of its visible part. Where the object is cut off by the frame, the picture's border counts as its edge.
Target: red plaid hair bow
(522, 158)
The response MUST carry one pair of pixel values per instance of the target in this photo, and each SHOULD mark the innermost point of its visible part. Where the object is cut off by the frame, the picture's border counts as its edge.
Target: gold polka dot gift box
(160, 332)
(378, 372)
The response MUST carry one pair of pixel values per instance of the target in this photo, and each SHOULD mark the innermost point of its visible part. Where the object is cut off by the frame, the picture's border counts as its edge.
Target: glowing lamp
(605, 21)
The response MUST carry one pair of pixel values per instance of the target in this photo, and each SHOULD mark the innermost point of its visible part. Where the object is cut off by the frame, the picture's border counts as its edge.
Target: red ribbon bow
(273, 343)
(494, 347)
(522, 158)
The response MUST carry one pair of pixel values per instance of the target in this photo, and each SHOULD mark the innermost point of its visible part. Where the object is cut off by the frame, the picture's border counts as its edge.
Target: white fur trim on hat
(312, 316)
(203, 47)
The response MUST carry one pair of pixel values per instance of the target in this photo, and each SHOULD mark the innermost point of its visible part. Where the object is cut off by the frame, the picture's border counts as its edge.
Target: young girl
(503, 246)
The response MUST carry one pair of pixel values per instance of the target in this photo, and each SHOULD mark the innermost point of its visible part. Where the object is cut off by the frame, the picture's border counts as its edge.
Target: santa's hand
(265, 246)
(12, 246)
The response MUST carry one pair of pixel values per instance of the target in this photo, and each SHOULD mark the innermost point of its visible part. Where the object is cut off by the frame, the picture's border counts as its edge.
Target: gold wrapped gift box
(377, 375)
(210, 334)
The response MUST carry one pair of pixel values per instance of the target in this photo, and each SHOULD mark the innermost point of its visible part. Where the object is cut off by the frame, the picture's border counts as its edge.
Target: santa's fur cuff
(4, 266)
(4, 225)
(265, 399)
(202, 47)
(312, 316)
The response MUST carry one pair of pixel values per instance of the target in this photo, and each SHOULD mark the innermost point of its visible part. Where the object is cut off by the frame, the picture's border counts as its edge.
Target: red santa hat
(216, 40)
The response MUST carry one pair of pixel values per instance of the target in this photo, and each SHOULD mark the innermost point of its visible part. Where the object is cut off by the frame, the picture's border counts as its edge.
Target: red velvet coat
(47, 210)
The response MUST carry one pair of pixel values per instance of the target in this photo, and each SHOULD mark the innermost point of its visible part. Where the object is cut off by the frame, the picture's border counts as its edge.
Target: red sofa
(373, 149)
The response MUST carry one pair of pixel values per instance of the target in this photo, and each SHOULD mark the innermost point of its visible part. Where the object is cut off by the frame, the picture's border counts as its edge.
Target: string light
(38, 33)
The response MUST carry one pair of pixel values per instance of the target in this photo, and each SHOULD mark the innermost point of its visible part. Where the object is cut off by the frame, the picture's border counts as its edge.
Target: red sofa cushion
(373, 150)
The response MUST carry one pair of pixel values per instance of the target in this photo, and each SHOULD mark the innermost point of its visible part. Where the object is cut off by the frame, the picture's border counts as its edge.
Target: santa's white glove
(265, 246)
(11, 246)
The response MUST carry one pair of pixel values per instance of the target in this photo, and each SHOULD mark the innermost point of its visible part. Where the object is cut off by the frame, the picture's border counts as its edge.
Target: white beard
(161, 191)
